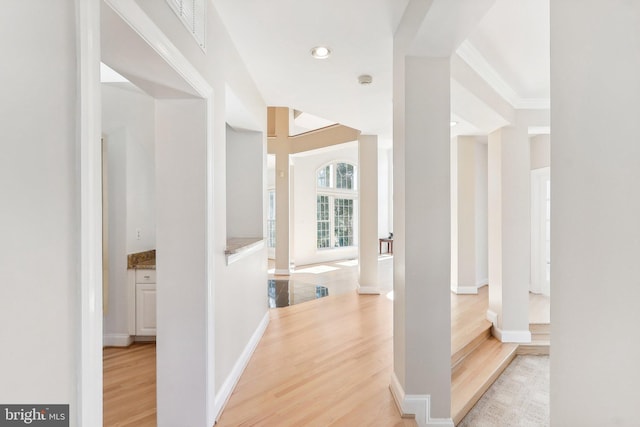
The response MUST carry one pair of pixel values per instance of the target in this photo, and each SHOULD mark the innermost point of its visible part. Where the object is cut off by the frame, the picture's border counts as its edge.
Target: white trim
(464, 290)
(416, 404)
(539, 130)
(368, 290)
(480, 65)
(89, 367)
(232, 379)
(211, 247)
(117, 340)
(282, 272)
(492, 317)
(135, 17)
(245, 251)
(482, 282)
(522, 337)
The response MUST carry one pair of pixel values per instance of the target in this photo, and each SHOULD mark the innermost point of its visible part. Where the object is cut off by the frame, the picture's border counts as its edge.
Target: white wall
(128, 128)
(40, 208)
(540, 151)
(245, 186)
(304, 204)
(482, 242)
(235, 318)
(595, 213)
(385, 192)
(182, 303)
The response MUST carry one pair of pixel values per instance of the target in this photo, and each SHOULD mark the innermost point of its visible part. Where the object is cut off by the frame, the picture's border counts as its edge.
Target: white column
(368, 214)
(595, 212)
(463, 215)
(509, 233)
(422, 254)
(182, 301)
(283, 202)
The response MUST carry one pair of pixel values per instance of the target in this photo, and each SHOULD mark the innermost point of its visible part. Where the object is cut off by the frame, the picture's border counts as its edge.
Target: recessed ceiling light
(452, 123)
(320, 52)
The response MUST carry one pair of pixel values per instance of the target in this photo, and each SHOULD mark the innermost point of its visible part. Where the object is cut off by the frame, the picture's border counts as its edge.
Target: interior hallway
(323, 362)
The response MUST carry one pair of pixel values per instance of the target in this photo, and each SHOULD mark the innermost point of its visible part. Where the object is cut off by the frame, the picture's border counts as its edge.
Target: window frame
(271, 218)
(333, 193)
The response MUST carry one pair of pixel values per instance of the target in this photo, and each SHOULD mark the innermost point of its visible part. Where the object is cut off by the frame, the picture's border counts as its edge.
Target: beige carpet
(519, 397)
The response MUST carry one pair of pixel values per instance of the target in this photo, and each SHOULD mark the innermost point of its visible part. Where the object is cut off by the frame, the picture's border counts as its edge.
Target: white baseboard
(521, 337)
(232, 379)
(481, 283)
(418, 405)
(492, 317)
(464, 290)
(117, 340)
(144, 338)
(368, 290)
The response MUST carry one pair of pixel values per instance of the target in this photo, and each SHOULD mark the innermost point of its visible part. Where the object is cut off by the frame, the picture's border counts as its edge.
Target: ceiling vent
(365, 79)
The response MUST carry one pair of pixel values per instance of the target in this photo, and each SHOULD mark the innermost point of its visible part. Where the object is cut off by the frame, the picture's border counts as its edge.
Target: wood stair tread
(475, 374)
(469, 338)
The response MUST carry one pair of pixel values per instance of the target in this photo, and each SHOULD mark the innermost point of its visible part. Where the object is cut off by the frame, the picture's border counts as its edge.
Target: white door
(541, 231)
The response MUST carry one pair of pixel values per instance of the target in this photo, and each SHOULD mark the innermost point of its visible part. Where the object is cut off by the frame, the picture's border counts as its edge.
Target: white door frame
(89, 362)
(89, 371)
(539, 177)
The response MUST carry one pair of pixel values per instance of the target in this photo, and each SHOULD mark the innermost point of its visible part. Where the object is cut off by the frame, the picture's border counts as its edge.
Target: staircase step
(535, 348)
(540, 331)
(475, 374)
(469, 339)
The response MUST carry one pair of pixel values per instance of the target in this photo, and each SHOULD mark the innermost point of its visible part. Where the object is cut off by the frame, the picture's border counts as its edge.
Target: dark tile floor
(285, 292)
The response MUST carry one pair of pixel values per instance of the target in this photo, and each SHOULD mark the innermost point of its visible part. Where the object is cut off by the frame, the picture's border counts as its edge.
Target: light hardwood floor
(320, 363)
(129, 386)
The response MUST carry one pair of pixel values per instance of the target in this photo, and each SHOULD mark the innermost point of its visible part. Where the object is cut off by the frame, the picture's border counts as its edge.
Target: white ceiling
(508, 47)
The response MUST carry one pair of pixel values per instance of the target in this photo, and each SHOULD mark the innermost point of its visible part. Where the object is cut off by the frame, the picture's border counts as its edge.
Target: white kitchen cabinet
(142, 307)
(145, 309)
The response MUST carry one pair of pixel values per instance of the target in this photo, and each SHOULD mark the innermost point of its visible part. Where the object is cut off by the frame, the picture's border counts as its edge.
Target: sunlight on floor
(350, 263)
(318, 269)
(390, 295)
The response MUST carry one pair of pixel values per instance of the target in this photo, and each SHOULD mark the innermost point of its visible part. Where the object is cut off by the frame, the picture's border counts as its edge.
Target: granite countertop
(142, 260)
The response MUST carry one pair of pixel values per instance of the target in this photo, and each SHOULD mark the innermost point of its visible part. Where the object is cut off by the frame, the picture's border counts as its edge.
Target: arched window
(336, 205)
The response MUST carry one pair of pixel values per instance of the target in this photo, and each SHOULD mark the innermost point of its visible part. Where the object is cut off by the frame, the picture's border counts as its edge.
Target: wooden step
(475, 374)
(540, 331)
(468, 339)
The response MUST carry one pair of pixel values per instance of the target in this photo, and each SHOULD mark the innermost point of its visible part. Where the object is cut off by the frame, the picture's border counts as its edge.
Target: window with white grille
(336, 206)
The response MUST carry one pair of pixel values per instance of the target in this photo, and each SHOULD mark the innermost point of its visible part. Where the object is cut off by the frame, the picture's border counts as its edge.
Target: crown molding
(472, 56)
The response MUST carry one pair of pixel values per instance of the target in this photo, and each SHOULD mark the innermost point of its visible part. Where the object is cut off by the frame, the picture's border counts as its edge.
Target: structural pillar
(421, 381)
(368, 214)
(283, 166)
(509, 232)
(464, 226)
